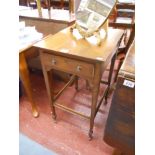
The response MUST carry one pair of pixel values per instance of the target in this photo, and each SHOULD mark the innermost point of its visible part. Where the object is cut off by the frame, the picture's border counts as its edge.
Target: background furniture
(49, 23)
(123, 17)
(45, 24)
(24, 76)
(61, 4)
(27, 36)
(56, 4)
(23, 2)
(120, 127)
(78, 58)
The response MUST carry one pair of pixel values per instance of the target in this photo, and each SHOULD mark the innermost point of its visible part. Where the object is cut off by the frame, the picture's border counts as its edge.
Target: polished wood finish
(124, 11)
(25, 51)
(24, 76)
(64, 52)
(83, 69)
(125, 5)
(120, 127)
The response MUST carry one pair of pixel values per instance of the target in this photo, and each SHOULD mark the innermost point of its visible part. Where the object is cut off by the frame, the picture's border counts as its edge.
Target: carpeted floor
(69, 135)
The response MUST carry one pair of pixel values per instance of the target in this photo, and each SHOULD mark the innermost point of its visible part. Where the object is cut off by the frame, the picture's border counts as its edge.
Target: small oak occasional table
(79, 58)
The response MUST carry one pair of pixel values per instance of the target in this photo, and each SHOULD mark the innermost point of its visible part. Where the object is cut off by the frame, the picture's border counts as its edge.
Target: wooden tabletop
(27, 45)
(55, 15)
(27, 36)
(64, 43)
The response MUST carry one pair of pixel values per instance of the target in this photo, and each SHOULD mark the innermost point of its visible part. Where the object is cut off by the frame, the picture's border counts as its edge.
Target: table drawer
(68, 65)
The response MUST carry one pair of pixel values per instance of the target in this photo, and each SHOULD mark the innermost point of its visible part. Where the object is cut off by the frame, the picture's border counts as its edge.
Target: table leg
(50, 89)
(24, 76)
(48, 77)
(95, 86)
(110, 77)
(50, 82)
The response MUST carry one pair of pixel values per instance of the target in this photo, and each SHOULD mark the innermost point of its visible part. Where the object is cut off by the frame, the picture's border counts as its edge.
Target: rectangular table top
(64, 43)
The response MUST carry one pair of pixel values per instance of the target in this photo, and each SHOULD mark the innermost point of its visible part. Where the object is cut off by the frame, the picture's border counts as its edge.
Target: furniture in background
(23, 2)
(120, 127)
(123, 17)
(24, 76)
(60, 4)
(80, 59)
(124, 12)
(49, 23)
(45, 24)
(123, 50)
(27, 36)
(47, 4)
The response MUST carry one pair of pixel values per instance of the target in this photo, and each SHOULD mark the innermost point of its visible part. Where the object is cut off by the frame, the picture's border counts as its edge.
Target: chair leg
(117, 71)
(110, 77)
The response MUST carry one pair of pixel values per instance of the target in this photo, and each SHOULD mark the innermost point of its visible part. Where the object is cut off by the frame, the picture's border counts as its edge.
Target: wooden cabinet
(120, 127)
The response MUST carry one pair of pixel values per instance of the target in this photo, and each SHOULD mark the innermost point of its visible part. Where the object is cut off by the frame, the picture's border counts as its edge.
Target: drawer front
(68, 65)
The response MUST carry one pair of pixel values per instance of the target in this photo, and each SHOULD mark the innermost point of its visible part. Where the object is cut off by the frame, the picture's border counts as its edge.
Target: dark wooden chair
(56, 4)
(123, 17)
(59, 4)
(33, 3)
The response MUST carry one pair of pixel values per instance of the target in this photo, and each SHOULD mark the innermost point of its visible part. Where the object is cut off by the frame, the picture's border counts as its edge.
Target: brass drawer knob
(78, 68)
(53, 62)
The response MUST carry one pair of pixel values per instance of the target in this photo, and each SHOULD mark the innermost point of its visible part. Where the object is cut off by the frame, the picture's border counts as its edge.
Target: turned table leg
(24, 76)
